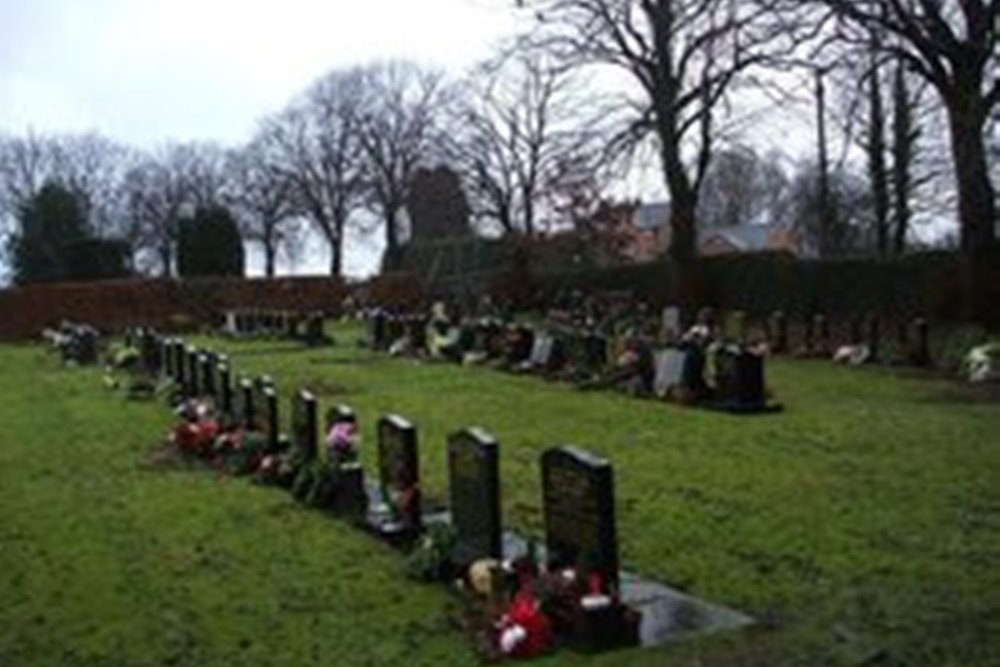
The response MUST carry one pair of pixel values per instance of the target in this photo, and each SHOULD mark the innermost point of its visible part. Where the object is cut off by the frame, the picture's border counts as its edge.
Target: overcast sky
(144, 71)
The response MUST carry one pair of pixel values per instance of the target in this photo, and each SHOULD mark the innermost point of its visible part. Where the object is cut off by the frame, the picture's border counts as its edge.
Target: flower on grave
(342, 441)
(524, 631)
(982, 363)
(195, 437)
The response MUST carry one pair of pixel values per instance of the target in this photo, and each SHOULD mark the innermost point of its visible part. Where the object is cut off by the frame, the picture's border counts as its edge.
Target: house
(645, 235)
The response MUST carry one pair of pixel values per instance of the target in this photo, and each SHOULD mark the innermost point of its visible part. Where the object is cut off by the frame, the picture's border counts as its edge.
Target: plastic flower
(342, 440)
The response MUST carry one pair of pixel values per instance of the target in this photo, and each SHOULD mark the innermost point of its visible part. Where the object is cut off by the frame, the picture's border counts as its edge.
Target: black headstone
(399, 467)
(874, 338)
(271, 427)
(247, 411)
(305, 424)
(920, 354)
(579, 513)
(474, 488)
(225, 393)
(193, 374)
(207, 374)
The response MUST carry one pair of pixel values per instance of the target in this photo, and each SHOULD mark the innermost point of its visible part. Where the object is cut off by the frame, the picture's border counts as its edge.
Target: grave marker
(474, 489)
(271, 427)
(579, 512)
(305, 424)
(399, 468)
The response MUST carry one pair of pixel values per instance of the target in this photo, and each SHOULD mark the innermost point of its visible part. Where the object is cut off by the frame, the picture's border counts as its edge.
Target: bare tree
(317, 148)
(396, 123)
(524, 139)
(26, 162)
(951, 44)
(261, 193)
(686, 56)
(741, 187)
(93, 167)
(157, 191)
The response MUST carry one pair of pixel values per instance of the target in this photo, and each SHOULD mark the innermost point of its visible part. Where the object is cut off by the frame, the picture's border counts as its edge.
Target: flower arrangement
(342, 442)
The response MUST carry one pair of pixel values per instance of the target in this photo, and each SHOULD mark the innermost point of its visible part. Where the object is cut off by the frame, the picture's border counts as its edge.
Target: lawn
(860, 526)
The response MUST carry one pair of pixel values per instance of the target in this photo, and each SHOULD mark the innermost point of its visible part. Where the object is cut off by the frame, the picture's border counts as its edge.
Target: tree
(686, 56)
(951, 44)
(742, 187)
(316, 147)
(209, 244)
(396, 122)
(436, 204)
(845, 225)
(523, 140)
(261, 193)
(55, 243)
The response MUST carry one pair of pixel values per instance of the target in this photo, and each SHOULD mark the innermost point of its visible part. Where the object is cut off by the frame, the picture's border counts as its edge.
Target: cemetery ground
(859, 527)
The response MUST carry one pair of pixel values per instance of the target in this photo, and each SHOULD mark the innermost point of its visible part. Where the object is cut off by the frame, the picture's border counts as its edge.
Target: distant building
(645, 233)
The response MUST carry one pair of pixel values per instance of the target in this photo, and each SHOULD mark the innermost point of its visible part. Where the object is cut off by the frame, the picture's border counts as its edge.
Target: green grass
(863, 524)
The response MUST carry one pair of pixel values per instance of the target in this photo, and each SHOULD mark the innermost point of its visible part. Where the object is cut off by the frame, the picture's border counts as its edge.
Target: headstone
(271, 427)
(779, 332)
(579, 513)
(207, 373)
(180, 363)
(474, 488)
(193, 385)
(305, 424)
(739, 380)
(921, 351)
(595, 351)
(225, 390)
(349, 496)
(340, 413)
(670, 323)
(541, 350)
(821, 329)
(874, 338)
(247, 411)
(168, 358)
(399, 468)
(669, 370)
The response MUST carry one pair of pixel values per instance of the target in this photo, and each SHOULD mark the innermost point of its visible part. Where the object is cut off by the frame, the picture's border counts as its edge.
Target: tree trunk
(903, 150)
(165, 260)
(683, 232)
(876, 160)
(976, 206)
(336, 256)
(269, 254)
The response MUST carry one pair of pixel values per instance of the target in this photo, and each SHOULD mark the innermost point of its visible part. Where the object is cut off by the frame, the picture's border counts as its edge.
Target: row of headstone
(252, 404)
(912, 337)
(308, 328)
(577, 490)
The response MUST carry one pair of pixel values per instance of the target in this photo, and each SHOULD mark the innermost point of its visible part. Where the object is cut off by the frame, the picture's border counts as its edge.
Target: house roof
(652, 216)
(742, 237)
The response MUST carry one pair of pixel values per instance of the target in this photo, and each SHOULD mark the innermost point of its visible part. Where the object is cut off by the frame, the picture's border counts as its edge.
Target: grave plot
(568, 592)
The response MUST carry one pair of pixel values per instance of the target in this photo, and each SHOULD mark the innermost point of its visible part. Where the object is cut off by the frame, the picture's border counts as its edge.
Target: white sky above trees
(145, 72)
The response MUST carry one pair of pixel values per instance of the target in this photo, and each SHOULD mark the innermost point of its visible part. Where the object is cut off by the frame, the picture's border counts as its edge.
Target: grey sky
(144, 71)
